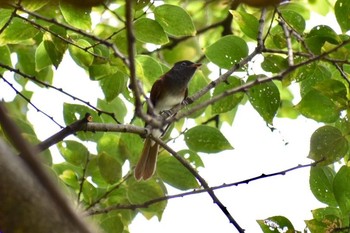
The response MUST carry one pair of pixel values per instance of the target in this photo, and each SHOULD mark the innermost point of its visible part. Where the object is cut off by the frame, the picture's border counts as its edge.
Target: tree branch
(197, 191)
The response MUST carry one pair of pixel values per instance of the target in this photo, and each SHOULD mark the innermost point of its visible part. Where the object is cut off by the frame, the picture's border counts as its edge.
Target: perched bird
(168, 91)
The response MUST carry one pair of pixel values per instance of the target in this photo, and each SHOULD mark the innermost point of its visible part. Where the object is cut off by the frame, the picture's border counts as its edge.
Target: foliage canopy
(35, 36)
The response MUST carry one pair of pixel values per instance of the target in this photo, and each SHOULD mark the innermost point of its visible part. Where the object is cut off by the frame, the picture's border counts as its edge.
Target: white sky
(257, 150)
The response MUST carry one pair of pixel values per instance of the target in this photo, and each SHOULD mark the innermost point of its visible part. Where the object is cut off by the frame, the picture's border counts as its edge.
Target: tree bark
(25, 205)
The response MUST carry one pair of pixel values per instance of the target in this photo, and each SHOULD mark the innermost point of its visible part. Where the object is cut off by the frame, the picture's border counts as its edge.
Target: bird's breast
(168, 102)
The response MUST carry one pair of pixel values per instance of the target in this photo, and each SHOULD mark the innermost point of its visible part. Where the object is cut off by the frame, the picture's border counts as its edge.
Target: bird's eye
(183, 64)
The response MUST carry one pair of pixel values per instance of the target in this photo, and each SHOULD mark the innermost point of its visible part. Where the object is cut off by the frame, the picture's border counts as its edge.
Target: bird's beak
(196, 65)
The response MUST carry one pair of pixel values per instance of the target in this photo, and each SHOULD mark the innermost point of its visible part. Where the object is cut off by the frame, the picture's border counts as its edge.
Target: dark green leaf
(294, 20)
(276, 224)
(73, 152)
(318, 36)
(328, 145)
(74, 112)
(174, 173)
(341, 188)
(81, 57)
(42, 59)
(274, 63)
(265, 98)
(55, 47)
(175, 20)
(316, 106)
(227, 103)
(321, 184)
(342, 9)
(150, 31)
(310, 76)
(227, 51)
(141, 192)
(248, 23)
(112, 85)
(78, 17)
(207, 139)
(110, 168)
(5, 58)
(112, 223)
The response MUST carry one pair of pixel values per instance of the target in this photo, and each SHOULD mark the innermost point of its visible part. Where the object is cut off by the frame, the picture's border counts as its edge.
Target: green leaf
(322, 213)
(73, 152)
(229, 102)
(112, 85)
(265, 98)
(99, 71)
(89, 192)
(294, 20)
(74, 112)
(31, 5)
(141, 192)
(175, 20)
(55, 47)
(78, 17)
(227, 51)
(117, 106)
(321, 184)
(274, 63)
(328, 224)
(42, 59)
(207, 139)
(342, 9)
(110, 168)
(112, 223)
(5, 57)
(148, 70)
(248, 23)
(319, 35)
(341, 187)
(276, 224)
(328, 145)
(335, 90)
(81, 57)
(174, 173)
(198, 82)
(70, 178)
(150, 31)
(310, 76)
(17, 32)
(319, 107)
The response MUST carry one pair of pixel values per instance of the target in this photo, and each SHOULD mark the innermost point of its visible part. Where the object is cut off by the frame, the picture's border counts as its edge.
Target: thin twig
(248, 85)
(35, 80)
(30, 102)
(197, 191)
(201, 180)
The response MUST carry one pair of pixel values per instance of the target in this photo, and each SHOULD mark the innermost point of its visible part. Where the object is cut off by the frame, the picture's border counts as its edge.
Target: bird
(168, 91)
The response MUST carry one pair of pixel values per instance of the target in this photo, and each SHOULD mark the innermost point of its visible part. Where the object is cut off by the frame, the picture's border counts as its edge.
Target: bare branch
(197, 191)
